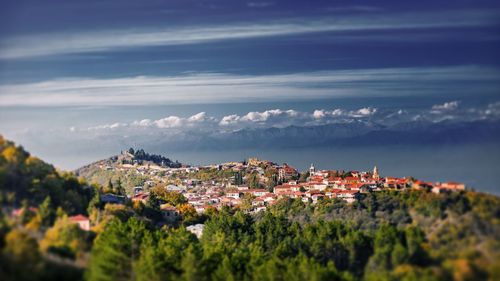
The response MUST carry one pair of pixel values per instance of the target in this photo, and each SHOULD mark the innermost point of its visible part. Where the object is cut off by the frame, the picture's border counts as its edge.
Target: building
(448, 187)
(112, 198)
(19, 212)
(82, 221)
(287, 172)
(141, 197)
(169, 213)
(196, 229)
(312, 170)
(375, 176)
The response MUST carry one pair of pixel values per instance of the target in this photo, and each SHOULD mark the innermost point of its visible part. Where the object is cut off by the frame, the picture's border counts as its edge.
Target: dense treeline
(297, 242)
(25, 177)
(37, 244)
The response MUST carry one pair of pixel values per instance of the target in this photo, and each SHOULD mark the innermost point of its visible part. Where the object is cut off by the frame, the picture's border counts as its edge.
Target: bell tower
(375, 173)
(312, 170)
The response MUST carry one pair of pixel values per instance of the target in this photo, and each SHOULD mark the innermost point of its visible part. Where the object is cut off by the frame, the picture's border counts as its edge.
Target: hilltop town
(252, 185)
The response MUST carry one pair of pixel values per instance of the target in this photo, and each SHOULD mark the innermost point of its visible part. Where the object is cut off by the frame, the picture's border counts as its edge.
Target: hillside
(24, 177)
(118, 169)
(389, 234)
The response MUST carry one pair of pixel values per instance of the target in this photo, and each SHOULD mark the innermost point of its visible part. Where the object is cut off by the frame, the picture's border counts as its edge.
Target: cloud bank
(280, 118)
(203, 88)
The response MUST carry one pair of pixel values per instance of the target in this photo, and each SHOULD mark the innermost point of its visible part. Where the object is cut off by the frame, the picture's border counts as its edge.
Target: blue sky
(81, 80)
(57, 40)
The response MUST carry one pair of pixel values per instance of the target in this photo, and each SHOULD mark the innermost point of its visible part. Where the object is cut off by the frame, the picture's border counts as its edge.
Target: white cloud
(169, 122)
(268, 115)
(363, 112)
(452, 105)
(86, 42)
(199, 117)
(280, 118)
(318, 114)
(445, 107)
(112, 126)
(143, 123)
(492, 111)
(229, 120)
(253, 119)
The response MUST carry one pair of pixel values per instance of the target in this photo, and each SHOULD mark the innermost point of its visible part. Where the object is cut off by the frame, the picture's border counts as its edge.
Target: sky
(81, 80)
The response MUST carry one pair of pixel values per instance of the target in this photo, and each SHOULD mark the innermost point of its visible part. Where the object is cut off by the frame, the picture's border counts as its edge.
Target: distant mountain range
(353, 133)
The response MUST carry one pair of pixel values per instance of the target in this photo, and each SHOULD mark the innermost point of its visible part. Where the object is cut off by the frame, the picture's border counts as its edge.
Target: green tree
(109, 188)
(46, 212)
(116, 250)
(253, 180)
(191, 264)
(119, 187)
(26, 213)
(95, 203)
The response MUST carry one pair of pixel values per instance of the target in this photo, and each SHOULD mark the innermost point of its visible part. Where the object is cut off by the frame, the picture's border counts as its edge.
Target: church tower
(312, 170)
(375, 173)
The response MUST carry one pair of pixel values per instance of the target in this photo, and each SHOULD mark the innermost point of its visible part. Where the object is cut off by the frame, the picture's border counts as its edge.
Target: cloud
(281, 118)
(254, 119)
(222, 88)
(169, 122)
(229, 120)
(363, 112)
(112, 126)
(104, 41)
(447, 106)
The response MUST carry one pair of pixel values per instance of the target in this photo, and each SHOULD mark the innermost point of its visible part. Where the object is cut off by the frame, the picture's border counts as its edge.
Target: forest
(388, 235)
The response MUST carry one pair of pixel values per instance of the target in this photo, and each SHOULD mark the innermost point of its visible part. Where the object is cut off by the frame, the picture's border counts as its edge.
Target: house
(200, 209)
(256, 192)
(287, 172)
(318, 186)
(422, 185)
(269, 198)
(347, 195)
(141, 197)
(169, 213)
(176, 188)
(297, 194)
(316, 197)
(19, 212)
(233, 194)
(196, 229)
(453, 185)
(395, 183)
(112, 198)
(361, 187)
(82, 221)
(281, 188)
(258, 202)
(447, 187)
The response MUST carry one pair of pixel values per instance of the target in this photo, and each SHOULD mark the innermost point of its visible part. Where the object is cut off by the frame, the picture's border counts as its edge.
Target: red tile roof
(78, 218)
